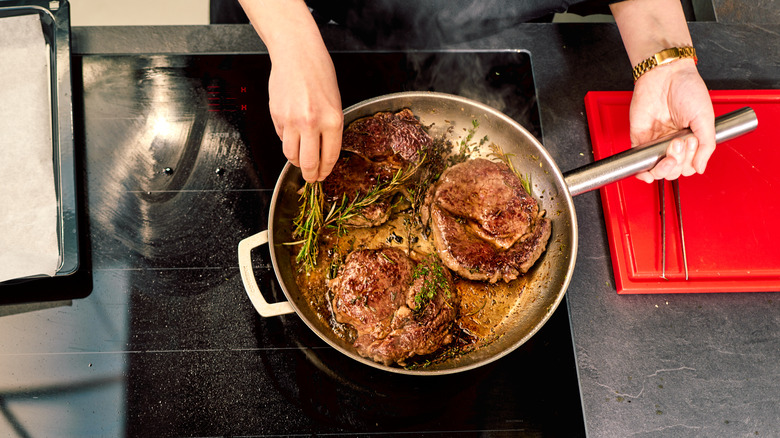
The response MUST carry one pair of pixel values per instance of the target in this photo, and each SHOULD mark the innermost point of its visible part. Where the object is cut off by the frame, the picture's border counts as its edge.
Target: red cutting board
(731, 213)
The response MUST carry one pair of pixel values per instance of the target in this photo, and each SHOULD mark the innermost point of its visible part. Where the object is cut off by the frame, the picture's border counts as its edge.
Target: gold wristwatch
(664, 57)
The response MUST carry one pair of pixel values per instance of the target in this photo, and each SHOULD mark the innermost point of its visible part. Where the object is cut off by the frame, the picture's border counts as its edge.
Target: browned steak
(355, 176)
(485, 225)
(386, 137)
(373, 150)
(399, 309)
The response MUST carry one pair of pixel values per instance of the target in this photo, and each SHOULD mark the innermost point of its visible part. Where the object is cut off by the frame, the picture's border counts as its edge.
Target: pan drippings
(483, 307)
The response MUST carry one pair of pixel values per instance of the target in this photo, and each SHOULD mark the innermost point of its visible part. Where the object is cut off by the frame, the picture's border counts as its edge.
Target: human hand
(303, 93)
(306, 110)
(667, 99)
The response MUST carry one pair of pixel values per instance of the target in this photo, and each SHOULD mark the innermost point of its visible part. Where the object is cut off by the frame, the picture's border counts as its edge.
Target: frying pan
(546, 282)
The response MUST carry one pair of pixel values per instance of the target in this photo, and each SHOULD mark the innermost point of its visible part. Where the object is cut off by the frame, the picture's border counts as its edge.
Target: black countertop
(651, 365)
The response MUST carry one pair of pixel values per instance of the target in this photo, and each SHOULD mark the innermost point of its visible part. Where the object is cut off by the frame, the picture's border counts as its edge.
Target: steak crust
(485, 226)
(377, 292)
(373, 150)
(386, 137)
(354, 176)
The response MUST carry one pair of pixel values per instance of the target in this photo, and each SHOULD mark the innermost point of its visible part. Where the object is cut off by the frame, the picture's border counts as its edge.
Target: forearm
(303, 93)
(285, 26)
(649, 26)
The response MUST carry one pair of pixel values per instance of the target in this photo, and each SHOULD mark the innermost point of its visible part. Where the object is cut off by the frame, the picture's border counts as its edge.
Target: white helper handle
(262, 306)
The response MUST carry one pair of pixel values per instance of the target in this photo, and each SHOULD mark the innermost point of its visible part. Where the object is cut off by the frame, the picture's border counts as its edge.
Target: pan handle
(645, 157)
(262, 306)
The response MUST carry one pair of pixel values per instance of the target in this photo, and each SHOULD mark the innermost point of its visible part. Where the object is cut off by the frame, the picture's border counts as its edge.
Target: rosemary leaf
(310, 219)
(499, 154)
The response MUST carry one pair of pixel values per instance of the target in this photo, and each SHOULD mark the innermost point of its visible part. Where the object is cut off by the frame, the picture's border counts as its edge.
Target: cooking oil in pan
(484, 307)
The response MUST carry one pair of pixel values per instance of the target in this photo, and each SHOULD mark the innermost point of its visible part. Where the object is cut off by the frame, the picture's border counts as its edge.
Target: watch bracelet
(666, 56)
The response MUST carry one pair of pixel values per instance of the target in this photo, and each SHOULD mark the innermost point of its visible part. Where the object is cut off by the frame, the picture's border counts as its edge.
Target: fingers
(684, 157)
(305, 105)
(670, 167)
(314, 153)
(676, 163)
(310, 156)
(681, 152)
(645, 176)
(704, 129)
(679, 161)
(691, 146)
(291, 141)
(329, 151)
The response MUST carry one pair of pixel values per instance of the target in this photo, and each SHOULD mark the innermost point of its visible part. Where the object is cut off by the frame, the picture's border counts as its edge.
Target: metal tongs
(678, 209)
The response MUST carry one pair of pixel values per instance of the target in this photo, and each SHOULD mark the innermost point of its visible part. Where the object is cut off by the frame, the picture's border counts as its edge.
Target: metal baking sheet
(55, 22)
(731, 213)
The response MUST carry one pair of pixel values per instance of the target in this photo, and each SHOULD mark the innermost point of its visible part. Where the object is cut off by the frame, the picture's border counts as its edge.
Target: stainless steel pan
(547, 281)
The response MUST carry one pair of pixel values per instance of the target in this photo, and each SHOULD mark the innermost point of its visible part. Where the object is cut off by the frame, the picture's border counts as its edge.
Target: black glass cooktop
(180, 160)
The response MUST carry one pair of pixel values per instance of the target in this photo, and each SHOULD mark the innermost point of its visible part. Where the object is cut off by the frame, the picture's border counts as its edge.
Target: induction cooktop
(182, 158)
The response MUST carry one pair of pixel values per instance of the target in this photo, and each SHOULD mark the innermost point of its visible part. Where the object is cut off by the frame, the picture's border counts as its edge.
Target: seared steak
(398, 309)
(373, 150)
(355, 176)
(485, 225)
(386, 137)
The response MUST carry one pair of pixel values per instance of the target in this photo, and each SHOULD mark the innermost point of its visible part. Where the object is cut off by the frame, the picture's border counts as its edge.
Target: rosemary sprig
(499, 154)
(311, 219)
(348, 209)
(484, 303)
(387, 257)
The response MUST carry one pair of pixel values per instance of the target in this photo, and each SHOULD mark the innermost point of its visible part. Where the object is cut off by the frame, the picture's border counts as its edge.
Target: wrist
(666, 73)
(650, 26)
(282, 24)
(663, 58)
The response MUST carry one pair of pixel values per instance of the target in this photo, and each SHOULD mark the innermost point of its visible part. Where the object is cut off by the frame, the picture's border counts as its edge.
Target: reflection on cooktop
(181, 162)
(530, 392)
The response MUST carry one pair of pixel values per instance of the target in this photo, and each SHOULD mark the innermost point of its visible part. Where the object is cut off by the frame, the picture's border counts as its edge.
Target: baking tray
(55, 22)
(731, 213)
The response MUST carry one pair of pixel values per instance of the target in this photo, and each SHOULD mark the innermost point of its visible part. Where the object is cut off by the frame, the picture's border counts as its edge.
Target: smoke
(500, 79)
(404, 24)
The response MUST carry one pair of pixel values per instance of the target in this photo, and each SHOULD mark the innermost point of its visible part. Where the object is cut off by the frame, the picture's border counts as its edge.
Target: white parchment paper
(28, 203)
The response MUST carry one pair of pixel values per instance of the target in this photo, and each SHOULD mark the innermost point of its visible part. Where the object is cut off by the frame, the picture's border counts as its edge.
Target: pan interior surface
(536, 295)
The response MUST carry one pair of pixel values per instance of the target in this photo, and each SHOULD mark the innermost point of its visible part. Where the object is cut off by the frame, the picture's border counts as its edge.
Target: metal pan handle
(645, 157)
(263, 307)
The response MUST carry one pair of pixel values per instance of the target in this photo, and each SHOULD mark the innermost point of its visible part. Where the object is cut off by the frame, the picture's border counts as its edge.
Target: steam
(502, 80)
(400, 23)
